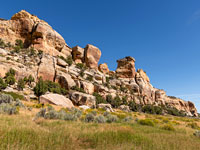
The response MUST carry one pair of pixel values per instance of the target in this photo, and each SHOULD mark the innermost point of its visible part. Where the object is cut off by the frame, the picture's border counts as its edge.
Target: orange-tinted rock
(33, 32)
(104, 68)
(126, 68)
(92, 56)
(46, 68)
(78, 54)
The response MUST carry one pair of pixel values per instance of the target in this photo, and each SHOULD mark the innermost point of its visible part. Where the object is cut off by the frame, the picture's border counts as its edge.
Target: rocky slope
(51, 61)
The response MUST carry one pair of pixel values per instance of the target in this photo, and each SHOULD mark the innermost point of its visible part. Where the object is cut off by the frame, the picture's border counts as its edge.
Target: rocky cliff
(45, 54)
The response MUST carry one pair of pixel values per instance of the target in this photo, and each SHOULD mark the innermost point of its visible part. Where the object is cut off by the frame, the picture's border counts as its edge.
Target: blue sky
(163, 36)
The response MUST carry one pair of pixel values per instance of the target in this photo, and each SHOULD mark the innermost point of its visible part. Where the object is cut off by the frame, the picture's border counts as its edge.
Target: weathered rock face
(65, 80)
(46, 68)
(78, 54)
(56, 99)
(124, 82)
(106, 107)
(83, 99)
(126, 68)
(92, 56)
(104, 68)
(33, 32)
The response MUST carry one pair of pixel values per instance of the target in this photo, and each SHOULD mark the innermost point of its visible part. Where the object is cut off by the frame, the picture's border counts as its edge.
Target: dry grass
(20, 132)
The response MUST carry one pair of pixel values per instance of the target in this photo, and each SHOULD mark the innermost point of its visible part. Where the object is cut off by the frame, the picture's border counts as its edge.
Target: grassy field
(20, 132)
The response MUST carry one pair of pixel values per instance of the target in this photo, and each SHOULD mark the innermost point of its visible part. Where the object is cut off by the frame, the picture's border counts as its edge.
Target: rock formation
(82, 82)
(34, 33)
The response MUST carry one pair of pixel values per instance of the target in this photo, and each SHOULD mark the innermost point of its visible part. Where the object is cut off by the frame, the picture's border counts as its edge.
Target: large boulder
(78, 54)
(65, 80)
(79, 98)
(106, 107)
(104, 68)
(56, 99)
(46, 68)
(126, 67)
(33, 32)
(87, 86)
(92, 56)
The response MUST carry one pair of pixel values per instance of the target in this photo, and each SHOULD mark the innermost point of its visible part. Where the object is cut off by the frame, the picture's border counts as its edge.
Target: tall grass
(20, 132)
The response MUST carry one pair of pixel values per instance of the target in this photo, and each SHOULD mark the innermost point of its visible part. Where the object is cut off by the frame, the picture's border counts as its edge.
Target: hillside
(30, 46)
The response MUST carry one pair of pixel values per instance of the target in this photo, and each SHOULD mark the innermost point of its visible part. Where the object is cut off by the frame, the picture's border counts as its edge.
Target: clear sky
(162, 35)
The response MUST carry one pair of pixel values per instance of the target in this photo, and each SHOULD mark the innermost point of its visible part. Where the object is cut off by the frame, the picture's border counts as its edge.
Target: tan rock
(61, 62)
(78, 54)
(33, 32)
(65, 80)
(126, 68)
(46, 68)
(83, 99)
(106, 107)
(92, 56)
(88, 87)
(56, 99)
(104, 68)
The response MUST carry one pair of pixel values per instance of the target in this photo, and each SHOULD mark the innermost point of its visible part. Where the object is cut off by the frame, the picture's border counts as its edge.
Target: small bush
(168, 127)
(81, 66)
(89, 78)
(193, 125)
(134, 107)
(105, 114)
(3, 84)
(146, 122)
(52, 114)
(76, 88)
(2, 43)
(100, 119)
(197, 133)
(20, 85)
(15, 95)
(152, 109)
(99, 98)
(5, 98)
(89, 117)
(128, 119)
(112, 118)
(9, 109)
(41, 113)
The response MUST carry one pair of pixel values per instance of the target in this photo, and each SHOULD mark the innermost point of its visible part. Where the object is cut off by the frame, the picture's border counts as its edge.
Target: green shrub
(76, 88)
(175, 112)
(197, 133)
(112, 118)
(116, 102)
(134, 107)
(100, 119)
(68, 60)
(9, 109)
(5, 98)
(15, 95)
(19, 43)
(51, 114)
(193, 125)
(41, 113)
(10, 80)
(168, 127)
(89, 117)
(81, 66)
(3, 84)
(20, 85)
(146, 122)
(89, 78)
(2, 44)
(128, 119)
(40, 88)
(152, 109)
(99, 98)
